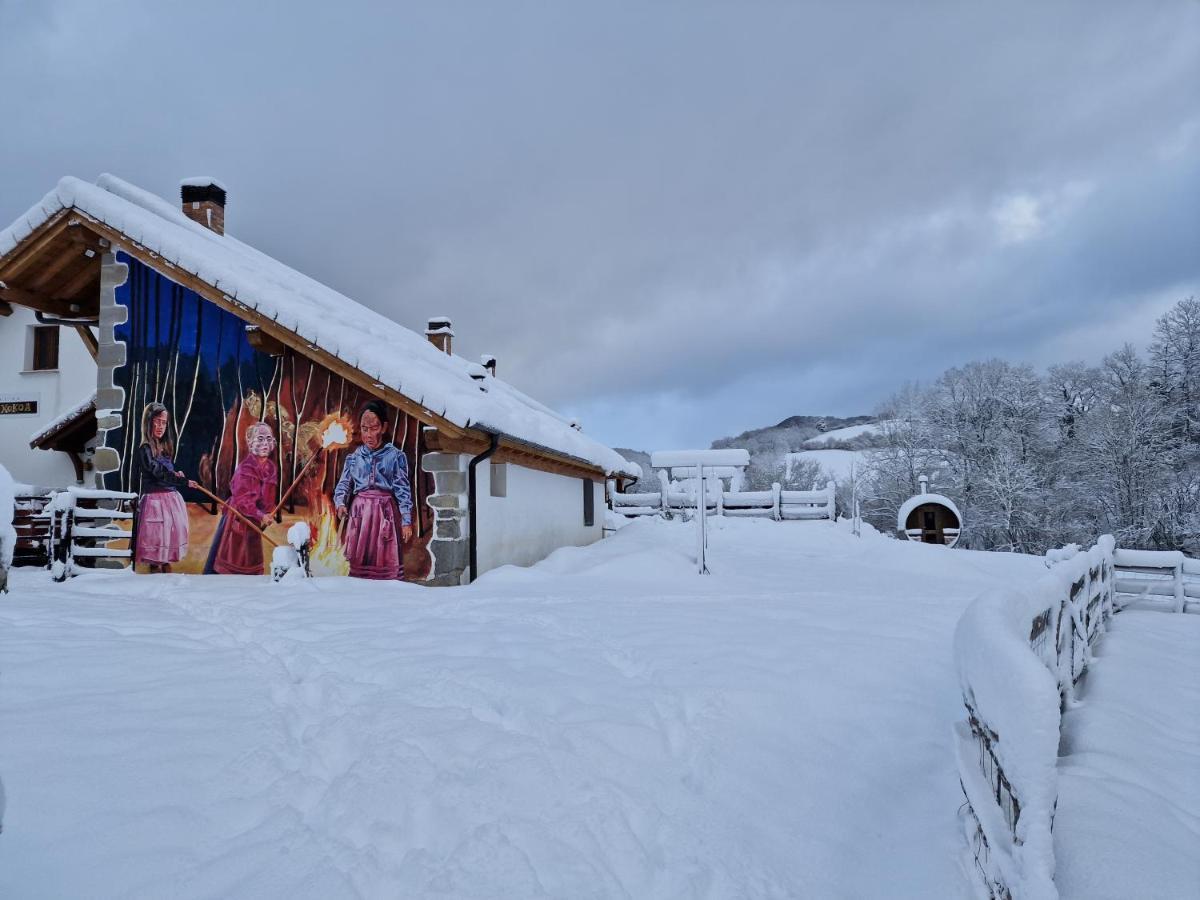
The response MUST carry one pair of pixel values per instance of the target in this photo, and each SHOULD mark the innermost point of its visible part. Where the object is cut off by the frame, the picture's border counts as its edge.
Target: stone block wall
(449, 545)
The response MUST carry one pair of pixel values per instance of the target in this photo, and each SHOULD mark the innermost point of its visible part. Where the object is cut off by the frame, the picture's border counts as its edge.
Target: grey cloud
(673, 217)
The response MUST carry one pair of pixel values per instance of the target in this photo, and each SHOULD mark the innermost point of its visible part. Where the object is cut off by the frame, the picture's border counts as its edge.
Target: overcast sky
(677, 220)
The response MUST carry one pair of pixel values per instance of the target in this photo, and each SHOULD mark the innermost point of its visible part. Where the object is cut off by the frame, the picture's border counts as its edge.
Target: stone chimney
(440, 333)
(203, 201)
(488, 362)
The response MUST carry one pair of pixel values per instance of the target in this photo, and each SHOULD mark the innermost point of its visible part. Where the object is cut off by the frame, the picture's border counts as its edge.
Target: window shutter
(45, 348)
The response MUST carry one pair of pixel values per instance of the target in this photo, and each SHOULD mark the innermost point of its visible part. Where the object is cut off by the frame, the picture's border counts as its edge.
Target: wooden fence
(776, 503)
(1019, 656)
(83, 529)
(33, 531)
(1157, 579)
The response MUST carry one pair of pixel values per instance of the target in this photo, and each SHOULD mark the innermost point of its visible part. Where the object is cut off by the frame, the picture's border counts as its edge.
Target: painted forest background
(196, 359)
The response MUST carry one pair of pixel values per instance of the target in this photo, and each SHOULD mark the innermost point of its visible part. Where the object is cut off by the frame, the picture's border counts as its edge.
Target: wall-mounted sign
(12, 405)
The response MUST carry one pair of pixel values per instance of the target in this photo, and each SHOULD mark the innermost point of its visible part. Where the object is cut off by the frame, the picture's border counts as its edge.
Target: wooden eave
(56, 269)
(36, 276)
(515, 451)
(71, 435)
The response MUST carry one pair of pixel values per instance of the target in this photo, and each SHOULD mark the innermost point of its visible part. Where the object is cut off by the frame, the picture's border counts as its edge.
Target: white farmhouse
(46, 371)
(247, 354)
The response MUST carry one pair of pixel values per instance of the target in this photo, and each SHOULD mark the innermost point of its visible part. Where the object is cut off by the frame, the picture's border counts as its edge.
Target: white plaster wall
(541, 513)
(56, 392)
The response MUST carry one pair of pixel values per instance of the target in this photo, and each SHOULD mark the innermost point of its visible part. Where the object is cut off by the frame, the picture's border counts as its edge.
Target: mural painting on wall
(228, 446)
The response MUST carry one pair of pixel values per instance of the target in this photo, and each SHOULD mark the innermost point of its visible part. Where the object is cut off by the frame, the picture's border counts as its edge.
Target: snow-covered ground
(605, 724)
(1128, 819)
(840, 465)
(870, 429)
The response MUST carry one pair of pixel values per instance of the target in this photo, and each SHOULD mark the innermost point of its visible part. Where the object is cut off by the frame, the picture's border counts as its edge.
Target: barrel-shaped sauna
(929, 519)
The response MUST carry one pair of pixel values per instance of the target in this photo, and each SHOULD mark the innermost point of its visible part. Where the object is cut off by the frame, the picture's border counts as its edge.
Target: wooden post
(776, 501)
(702, 518)
(1180, 598)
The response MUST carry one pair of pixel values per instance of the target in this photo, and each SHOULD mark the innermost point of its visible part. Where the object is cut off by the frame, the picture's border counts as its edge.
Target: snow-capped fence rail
(775, 504)
(632, 505)
(1162, 579)
(1019, 654)
(81, 528)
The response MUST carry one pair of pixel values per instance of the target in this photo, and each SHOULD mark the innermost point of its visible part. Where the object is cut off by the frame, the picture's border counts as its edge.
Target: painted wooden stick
(237, 513)
(295, 481)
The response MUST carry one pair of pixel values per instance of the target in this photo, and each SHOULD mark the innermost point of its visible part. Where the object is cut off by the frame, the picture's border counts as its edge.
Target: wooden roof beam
(41, 302)
(263, 342)
(28, 254)
(46, 275)
(85, 276)
(89, 340)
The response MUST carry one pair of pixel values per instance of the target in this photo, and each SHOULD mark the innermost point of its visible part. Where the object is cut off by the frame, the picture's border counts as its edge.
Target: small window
(43, 354)
(589, 502)
(499, 480)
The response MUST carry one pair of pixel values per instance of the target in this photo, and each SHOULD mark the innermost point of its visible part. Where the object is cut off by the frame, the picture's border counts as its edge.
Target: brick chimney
(203, 201)
(440, 333)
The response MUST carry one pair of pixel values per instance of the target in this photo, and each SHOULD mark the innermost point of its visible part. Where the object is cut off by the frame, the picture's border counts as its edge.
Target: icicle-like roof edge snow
(317, 315)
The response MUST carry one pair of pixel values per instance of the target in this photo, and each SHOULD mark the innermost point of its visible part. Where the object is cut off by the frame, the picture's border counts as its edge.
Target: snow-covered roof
(384, 350)
(920, 500)
(58, 423)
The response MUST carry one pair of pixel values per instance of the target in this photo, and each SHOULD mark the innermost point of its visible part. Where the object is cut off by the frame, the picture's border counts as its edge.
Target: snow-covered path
(1128, 819)
(606, 724)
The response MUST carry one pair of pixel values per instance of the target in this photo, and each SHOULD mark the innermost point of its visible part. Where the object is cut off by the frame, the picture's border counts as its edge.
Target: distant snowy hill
(794, 431)
(778, 452)
(839, 465)
(854, 434)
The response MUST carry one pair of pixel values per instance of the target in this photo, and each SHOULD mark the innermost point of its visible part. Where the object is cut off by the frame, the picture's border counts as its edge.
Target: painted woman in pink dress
(372, 496)
(162, 533)
(237, 548)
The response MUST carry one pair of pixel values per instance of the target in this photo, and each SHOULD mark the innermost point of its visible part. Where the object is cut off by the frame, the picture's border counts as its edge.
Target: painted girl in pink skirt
(237, 548)
(162, 536)
(372, 494)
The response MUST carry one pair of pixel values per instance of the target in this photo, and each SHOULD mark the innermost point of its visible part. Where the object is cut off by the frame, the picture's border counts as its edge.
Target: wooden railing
(1019, 656)
(32, 528)
(775, 504)
(85, 527)
(1157, 579)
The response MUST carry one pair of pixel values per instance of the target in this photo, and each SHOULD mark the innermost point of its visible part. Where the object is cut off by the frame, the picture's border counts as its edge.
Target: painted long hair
(164, 447)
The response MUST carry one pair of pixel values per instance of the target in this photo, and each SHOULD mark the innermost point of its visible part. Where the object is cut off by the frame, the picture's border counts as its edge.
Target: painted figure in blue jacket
(374, 497)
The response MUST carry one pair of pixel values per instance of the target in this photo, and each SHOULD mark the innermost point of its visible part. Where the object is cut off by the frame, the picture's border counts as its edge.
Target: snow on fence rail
(1019, 654)
(80, 528)
(1158, 578)
(776, 503)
